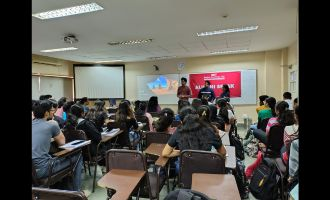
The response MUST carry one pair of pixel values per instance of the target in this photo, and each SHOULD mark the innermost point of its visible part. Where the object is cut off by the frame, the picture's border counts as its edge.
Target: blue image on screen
(160, 82)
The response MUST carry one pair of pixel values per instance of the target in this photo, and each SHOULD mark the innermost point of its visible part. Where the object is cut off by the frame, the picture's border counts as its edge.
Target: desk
(106, 138)
(224, 138)
(122, 181)
(231, 158)
(156, 149)
(216, 186)
(67, 150)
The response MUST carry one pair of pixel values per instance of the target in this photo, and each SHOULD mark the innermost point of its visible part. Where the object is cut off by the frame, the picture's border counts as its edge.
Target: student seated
(192, 134)
(42, 132)
(165, 120)
(141, 111)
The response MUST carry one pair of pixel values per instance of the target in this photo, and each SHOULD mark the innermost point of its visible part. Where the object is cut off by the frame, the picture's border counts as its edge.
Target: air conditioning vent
(42, 62)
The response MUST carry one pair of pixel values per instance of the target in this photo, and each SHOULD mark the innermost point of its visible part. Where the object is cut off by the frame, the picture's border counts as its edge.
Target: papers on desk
(75, 144)
(110, 133)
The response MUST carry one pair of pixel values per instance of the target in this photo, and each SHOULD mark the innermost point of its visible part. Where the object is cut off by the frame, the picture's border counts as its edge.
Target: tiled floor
(100, 193)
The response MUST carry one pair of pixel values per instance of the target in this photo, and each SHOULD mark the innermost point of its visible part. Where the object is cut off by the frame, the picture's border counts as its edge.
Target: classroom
(125, 52)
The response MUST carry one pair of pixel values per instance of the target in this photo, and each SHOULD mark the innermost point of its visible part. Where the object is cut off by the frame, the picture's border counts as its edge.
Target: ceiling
(172, 24)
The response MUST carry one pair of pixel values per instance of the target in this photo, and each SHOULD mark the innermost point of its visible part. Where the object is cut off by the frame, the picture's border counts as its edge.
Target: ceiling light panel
(229, 51)
(86, 8)
(231, 30)
(130, 42)
(60, 49)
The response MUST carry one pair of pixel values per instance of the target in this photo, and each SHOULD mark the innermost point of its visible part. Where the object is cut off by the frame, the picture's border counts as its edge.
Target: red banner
(217, 79)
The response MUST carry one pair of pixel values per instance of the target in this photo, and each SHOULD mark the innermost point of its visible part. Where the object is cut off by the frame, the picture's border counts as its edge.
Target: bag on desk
(264, 181)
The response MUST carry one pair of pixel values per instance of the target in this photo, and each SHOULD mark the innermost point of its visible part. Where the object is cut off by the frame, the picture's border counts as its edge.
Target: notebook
(75, 144)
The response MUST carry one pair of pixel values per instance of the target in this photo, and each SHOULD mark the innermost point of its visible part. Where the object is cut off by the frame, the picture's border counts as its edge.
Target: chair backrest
(71, 135)
(275, 141)
(143, 119)
(54, 194)
(125, 159)
(130, 160)
(263, 124)
(196, 161)
(157, 137)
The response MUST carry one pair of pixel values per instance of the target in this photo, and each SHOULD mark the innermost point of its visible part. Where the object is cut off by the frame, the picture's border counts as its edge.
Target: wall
(64, 69)
(272, 75)
(271, 79)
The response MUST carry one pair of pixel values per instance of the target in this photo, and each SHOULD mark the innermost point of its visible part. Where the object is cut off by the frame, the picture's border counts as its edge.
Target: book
(75, 144)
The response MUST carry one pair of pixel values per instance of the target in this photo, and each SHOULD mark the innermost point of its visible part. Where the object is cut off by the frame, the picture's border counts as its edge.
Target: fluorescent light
(130, 42)
(161, 57)
(61, 49)
(86, 8)
(231, 30)
(229, 51)
(105, 61)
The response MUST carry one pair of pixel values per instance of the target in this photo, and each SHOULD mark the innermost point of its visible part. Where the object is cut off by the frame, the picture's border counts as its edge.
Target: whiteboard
(248, 88)
(55, 86)
(99, 81)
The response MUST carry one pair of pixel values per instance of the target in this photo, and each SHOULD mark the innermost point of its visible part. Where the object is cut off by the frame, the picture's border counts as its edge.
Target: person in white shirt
(288, 98)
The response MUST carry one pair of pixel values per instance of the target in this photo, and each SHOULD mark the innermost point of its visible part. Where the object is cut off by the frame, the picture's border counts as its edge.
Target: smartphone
(78, 142)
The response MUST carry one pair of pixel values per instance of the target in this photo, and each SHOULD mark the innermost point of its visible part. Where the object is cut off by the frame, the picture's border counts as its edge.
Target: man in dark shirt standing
(184, 92)
(207, 92)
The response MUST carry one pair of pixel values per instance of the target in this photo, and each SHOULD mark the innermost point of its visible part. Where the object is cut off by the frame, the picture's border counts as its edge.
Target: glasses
(52, 110)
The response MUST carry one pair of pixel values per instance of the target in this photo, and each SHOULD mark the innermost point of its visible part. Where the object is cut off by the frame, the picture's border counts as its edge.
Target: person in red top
(184, 92)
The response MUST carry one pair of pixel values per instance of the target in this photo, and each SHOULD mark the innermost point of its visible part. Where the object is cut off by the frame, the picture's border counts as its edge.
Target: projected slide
(164, 86)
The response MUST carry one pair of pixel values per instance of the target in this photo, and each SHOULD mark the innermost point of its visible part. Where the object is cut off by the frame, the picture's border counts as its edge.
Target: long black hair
(285, 116)
(141, 110)
(166, 117)
(271, 101)
(195, 134)
(223, 112)
(152, 104)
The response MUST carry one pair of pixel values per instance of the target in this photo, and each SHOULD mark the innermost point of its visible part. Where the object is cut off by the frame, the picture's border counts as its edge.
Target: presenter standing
(184, 92)
(225, 91)
(206, 92)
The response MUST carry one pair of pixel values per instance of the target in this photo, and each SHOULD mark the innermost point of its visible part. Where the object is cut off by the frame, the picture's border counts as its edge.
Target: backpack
(236, 141)
(264, 181)
(186, 194)
(240, 178)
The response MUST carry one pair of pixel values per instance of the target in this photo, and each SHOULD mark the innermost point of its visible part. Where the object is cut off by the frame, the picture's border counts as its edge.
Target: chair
(196, 161)
(71, 135)
(54, 194)
(263, 124)
(283, 172)
(53, 178)
(274, 141)
(150, 185)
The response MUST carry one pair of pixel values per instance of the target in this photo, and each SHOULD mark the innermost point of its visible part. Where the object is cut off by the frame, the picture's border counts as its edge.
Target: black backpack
(236, 141)
(186, 194)
(240, 178)
(264, 181)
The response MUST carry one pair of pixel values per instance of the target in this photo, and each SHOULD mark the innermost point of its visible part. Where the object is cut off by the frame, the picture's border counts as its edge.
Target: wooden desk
(106, 138)
(216, 186)
(123, 181)
(231, 158)
(156, 149)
